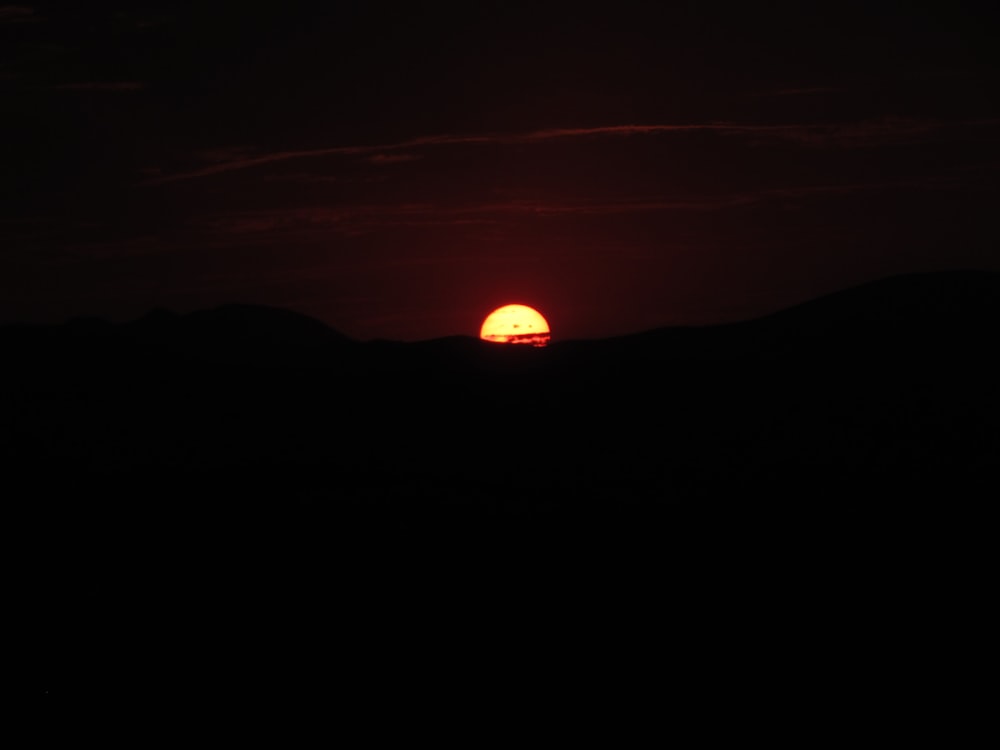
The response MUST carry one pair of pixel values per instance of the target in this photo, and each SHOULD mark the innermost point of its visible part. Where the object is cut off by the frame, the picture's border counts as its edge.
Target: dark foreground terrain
(182, 486)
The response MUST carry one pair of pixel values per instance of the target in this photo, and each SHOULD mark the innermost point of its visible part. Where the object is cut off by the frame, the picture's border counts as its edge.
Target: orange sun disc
(515, 324)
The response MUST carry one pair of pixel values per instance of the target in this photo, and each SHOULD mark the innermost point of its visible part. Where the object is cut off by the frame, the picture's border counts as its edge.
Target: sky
(398, 170)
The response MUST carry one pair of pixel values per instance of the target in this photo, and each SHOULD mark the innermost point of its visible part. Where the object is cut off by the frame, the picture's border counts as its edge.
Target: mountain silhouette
(186, 474)
(953, 305)
(889, 386)
(239, 334)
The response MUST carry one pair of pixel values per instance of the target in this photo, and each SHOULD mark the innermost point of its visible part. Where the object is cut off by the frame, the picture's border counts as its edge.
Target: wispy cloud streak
(801, 91)
(17, 14)
(392, 158)
(839, 135)
(362, 219)
(109, 86)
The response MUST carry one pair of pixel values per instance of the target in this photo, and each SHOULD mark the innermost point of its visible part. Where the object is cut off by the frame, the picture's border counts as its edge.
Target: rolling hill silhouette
(185, 468)
(895, 370)
(869, 412)
(890, 376)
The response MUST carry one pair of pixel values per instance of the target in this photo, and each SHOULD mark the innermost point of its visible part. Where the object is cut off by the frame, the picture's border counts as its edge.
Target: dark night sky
(397, 170)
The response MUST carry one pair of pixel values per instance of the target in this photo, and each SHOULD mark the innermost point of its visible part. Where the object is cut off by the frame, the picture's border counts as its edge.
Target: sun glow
(515, 324)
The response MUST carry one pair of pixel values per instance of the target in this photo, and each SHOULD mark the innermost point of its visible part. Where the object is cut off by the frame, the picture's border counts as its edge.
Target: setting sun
(515, 324)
